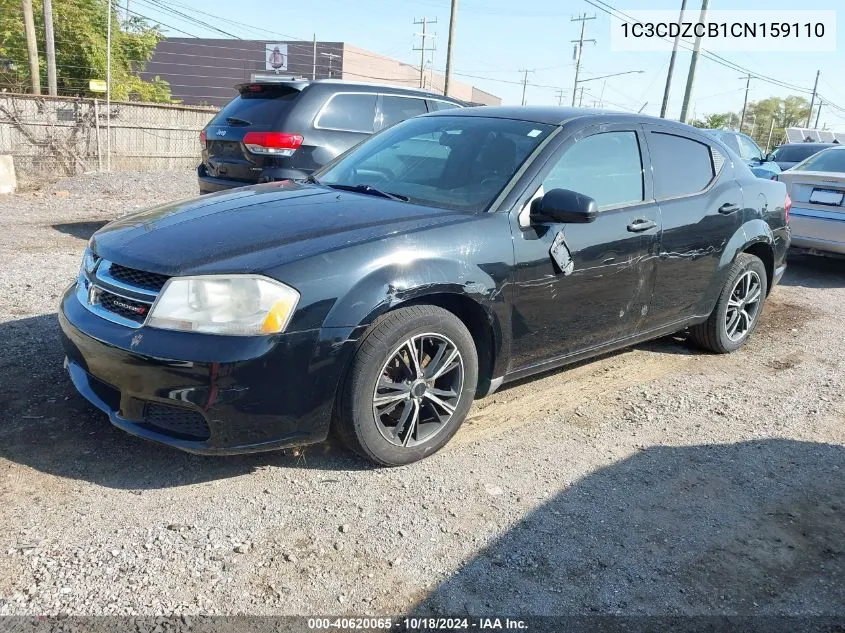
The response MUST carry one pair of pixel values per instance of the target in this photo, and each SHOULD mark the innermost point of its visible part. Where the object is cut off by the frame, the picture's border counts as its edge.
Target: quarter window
(396, 109)
(349, 112)
(682, 166)
(605, 166)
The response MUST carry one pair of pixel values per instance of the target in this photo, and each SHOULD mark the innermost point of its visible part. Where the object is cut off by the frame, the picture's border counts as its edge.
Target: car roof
(550, 115)
(340, 85)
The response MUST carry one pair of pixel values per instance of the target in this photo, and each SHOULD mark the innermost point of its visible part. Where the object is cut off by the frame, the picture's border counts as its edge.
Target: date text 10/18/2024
(417, 624)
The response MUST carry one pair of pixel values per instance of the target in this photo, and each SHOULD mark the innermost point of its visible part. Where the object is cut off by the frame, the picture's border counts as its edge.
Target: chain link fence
(51, 137)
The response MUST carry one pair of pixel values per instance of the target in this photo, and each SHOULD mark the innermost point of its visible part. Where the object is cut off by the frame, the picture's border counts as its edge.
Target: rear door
(344, 120)
(701, 208)
(258, 108)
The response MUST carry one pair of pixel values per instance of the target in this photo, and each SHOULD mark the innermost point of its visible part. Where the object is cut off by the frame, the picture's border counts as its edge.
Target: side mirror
(565, 206)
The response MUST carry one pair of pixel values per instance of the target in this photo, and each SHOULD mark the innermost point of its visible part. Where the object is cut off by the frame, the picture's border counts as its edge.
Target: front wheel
(738, 309)
(411, 385)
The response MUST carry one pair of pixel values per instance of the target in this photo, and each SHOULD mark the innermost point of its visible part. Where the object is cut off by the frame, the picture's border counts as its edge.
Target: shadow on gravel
(47, 426)
(82, 230)
(811, 271)
(754, 528)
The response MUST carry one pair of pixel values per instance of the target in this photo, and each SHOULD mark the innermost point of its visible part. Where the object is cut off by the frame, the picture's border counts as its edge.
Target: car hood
(251, 229)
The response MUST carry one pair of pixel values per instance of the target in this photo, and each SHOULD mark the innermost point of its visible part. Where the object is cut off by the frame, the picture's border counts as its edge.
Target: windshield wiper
(233, 120)
(372, 191)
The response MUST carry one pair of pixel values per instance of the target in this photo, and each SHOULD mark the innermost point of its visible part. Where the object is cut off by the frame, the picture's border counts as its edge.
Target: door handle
(728, 208)
(643, 224)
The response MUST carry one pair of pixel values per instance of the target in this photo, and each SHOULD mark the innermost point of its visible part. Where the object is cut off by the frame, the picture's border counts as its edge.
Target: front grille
(126, 308)
(176, 421)
(139, 278)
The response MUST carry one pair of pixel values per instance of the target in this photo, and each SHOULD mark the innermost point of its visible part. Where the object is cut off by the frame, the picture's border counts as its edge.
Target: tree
(789, 112)
(81, 34)
(718, 121)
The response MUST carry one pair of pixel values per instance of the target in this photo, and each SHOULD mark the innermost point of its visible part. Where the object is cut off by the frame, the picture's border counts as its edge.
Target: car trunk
(259, 108)
(818, 190)
(816, 195)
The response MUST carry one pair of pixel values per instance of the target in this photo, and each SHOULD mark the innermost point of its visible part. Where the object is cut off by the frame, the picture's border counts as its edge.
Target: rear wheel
(738, 309)
(411, 385)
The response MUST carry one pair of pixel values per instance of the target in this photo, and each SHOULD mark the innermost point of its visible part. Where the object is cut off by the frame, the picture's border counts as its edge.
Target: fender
(391, 283)
(752, 232)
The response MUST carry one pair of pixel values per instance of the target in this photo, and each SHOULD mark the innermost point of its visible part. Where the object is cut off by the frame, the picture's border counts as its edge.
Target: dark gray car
(275, 130)
(790, 154)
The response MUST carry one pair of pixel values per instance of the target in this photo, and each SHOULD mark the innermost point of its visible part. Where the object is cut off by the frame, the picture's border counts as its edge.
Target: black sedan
(439, 259)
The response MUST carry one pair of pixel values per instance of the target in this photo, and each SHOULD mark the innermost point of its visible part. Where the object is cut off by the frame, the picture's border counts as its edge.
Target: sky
(495, 39)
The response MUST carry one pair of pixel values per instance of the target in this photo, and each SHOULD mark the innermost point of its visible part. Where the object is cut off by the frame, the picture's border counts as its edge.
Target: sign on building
(276, 57)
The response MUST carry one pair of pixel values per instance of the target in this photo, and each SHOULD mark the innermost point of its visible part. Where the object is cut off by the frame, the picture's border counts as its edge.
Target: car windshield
(450, 162)
(828, 160)
(795, 153)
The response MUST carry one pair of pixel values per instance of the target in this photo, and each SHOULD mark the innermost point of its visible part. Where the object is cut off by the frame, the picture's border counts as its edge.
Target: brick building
(204, 71)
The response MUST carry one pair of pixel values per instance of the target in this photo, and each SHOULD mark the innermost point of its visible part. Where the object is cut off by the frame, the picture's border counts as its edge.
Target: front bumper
(202, 393)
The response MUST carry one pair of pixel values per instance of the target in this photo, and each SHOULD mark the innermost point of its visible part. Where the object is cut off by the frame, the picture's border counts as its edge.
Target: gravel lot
(658, 480)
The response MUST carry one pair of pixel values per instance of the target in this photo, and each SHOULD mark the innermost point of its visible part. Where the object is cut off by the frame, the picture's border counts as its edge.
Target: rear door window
(681, 165)
(348, 112)
(395, 109)
(257, 105)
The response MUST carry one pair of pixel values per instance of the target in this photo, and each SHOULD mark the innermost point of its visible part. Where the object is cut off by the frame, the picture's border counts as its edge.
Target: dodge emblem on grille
(130, 307)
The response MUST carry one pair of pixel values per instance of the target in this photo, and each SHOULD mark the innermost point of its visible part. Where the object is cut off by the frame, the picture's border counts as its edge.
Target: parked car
(287, 129)
(790, 154)
(748, 150)
(817, 187)
(434, 262)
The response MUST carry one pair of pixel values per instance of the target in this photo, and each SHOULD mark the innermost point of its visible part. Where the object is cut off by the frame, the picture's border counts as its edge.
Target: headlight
(237, 305)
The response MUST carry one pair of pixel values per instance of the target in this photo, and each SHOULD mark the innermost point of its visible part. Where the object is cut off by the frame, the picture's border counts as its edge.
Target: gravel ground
(658, 480)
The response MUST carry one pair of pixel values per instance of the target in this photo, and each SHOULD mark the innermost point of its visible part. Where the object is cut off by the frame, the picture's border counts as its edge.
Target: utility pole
(524, 82)
(671, 70)
(50, 46)
(108, 88)
(771, 130)
(453, 18)
(422, 49)
(813, 99)
(819, 113)
(332, 57)
(314, 60)
(559, 95)
(31, 47)
(692, 64)
(579, 45)
(580, 97)
(745, 103)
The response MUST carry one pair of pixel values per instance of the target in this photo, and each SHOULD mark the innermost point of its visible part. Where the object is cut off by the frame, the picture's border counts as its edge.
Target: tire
(383, 368)
(715, 333)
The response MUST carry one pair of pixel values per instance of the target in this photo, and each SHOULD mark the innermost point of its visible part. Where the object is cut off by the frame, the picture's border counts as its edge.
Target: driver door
(598, 289)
